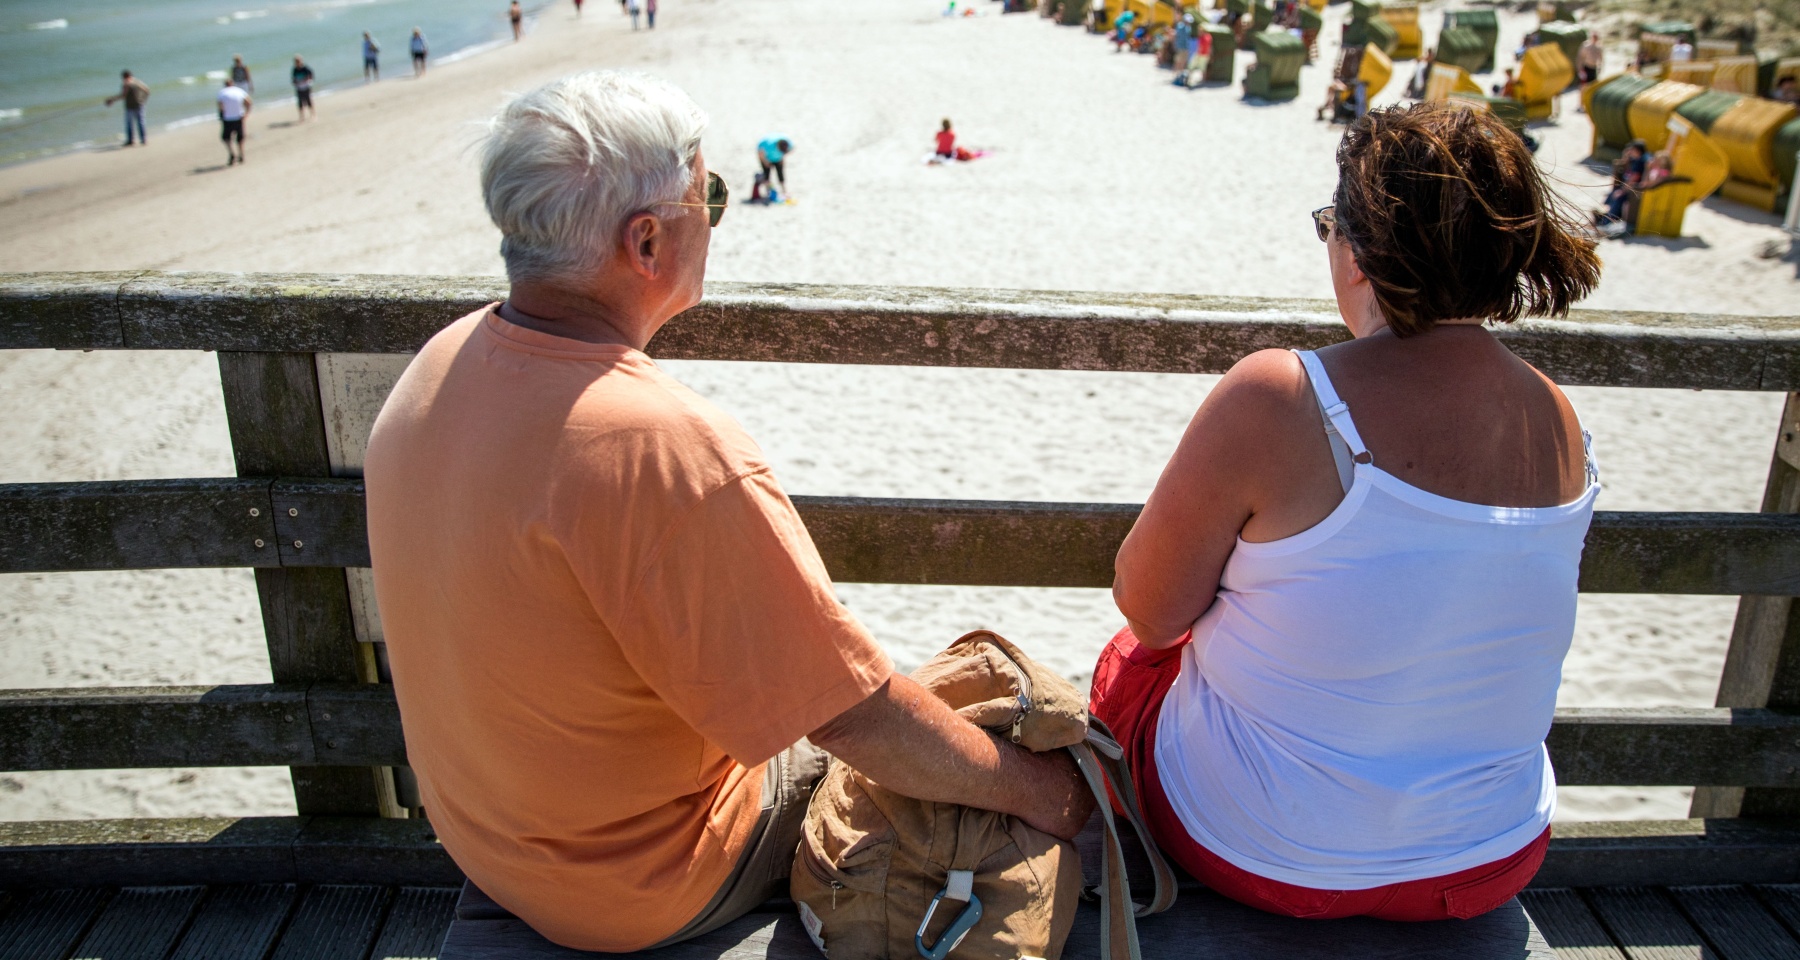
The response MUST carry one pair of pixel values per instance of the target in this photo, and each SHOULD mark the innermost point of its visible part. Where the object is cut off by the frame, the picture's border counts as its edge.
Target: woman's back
(1373, 550)
(1394, 663)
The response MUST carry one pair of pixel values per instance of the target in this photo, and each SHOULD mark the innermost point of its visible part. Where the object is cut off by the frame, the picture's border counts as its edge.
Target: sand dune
(1104, 178)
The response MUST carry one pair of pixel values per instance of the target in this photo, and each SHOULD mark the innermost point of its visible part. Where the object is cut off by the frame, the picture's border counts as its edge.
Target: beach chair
(1509, 111)
(1220, 65)
(1654, 47)
(1566, 35)
(1608, 104)
(1276, 73)
(1310, 25)
(1550, 11)
(1446, 79)
(1745, 129)
(1373, 32)
(1699, 168)
(1697, 72)
(1649, 112)
(1485, 25)
(1716, 49)
(1409, 39)
(1544, 74)
(1463, 48)
(1735, 74)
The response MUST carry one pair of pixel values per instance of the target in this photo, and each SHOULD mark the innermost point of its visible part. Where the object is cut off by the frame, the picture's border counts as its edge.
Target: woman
(1349, 596)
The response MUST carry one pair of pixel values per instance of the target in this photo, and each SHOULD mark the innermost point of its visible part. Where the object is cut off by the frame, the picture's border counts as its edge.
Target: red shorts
(1130, 682)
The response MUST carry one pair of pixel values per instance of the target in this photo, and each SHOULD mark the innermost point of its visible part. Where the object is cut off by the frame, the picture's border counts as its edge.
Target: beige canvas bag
(879, 876)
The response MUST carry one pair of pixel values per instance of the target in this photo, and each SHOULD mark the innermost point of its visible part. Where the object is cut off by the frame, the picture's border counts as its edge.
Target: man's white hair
(565, 165)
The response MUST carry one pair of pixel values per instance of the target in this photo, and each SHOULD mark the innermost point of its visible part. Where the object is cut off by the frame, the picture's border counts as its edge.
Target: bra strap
(1336, 410)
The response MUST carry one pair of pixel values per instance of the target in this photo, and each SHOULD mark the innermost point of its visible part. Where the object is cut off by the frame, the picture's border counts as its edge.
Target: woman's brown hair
(1450, 219)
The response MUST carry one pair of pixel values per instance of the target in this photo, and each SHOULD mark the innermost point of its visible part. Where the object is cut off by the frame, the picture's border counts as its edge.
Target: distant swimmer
(134, 93)
(234, 106)
(303, 81)
(772, 153)
(240, 74)
(517, 16)
(419, 50)
(371, 58)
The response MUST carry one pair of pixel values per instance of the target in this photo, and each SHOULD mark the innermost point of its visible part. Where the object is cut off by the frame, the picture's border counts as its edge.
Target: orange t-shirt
(603, 616)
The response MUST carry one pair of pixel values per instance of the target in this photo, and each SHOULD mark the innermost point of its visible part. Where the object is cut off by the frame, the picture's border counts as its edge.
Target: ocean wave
(248, 14)
(57, 24)
(187, 81)
(215, 74)
(12, 113)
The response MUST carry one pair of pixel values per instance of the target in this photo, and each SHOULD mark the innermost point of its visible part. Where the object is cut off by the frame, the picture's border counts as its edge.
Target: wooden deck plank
(237, 922)
(416, 925)
(140, 923)
(44, 924)
(1783, 899)
(335, 922)
(1569, 926)
(1736, 924)
(1646, 924)
(755, 936)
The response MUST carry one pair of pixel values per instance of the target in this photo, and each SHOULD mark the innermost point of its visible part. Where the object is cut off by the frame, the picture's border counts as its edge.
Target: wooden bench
(305, 361)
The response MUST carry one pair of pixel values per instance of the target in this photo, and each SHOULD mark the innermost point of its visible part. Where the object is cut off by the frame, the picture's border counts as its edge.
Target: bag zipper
(1025, 703)
(820, 874)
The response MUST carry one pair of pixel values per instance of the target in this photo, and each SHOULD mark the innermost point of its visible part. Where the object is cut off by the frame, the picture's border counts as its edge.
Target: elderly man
(608, 628)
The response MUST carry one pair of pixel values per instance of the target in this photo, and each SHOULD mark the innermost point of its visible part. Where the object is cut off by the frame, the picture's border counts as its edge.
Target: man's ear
(643, 243)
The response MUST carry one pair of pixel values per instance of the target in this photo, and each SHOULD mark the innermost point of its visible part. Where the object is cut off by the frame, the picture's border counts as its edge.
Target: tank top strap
(1336, 410)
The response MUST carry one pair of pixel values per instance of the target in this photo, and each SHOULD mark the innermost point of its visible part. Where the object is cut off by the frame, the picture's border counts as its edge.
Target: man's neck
(565, 313)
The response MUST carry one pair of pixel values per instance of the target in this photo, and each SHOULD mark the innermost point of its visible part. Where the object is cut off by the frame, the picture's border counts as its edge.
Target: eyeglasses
(1324, 219)
(717, 197)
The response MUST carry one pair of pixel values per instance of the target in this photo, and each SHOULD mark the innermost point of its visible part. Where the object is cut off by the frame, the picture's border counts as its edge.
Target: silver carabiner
(959, 928)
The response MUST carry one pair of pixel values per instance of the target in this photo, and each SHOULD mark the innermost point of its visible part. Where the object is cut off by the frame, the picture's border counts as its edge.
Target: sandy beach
(1103, 177)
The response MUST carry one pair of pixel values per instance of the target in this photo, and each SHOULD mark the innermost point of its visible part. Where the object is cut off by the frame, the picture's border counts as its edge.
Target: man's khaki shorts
(762, 869)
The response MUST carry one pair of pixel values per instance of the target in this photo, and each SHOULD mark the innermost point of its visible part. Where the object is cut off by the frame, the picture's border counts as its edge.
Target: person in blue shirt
(772, 153)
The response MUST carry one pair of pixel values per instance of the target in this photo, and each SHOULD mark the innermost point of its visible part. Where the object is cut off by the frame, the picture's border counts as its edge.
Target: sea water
(59, 59)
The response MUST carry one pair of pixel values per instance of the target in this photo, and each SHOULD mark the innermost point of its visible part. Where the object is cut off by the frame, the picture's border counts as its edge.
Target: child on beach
(303, 80)
(946, 141)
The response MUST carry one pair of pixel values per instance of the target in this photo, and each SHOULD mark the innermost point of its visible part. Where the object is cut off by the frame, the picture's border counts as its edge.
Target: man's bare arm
(909, 741)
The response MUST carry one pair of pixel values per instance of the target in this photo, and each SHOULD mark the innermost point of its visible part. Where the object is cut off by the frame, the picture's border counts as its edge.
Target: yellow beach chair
(1445, 80)
(1746, 135)
(1544, 73)
(1697, 72)
(1700, 167)
(1649, 113)
(1735, 75)
(1655, 47)
(1404, 18)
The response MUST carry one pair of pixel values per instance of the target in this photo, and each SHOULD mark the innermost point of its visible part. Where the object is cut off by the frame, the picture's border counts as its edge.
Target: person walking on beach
(134, 93)
(517, 16)
(371, 58)
(631, 7)
(234, 106)
(650, 13)
(771, 154)
(619, 658)
(303, 81)
(577, 8)
(419, 50)
(240, 74)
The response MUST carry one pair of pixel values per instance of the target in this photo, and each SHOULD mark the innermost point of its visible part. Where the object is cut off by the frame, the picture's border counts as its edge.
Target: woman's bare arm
(1167, 572)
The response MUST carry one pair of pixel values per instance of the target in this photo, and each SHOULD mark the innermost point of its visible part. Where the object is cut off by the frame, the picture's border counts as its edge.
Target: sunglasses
(717, 196)
(1324, 219)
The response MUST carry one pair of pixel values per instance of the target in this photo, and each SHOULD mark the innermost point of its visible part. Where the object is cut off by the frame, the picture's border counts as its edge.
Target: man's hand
(909, 741)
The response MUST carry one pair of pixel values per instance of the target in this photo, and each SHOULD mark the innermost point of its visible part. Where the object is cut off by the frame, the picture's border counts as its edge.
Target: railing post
(1762, 665)
(278, 430)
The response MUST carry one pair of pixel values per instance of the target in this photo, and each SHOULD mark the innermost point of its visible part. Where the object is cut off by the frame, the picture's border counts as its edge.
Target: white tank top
(1366, 702)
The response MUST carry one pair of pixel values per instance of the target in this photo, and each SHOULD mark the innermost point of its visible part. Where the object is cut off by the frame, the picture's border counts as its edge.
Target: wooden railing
(295, 515)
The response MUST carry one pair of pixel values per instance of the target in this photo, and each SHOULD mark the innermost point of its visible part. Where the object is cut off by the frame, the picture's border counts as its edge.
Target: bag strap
(1101, 760)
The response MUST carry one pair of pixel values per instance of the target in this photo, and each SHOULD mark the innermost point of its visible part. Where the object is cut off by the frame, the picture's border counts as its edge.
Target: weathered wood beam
(321, 523)
(864, 325)
(1619, 853)
(222, 850)
(359, 724)
(280, 724)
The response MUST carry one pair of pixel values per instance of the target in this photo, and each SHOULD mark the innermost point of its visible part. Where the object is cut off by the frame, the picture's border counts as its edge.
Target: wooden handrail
(333, 724)
(862, 325)
(135, 524)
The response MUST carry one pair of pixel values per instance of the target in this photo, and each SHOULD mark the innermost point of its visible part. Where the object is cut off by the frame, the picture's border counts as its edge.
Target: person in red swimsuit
(946, 141)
